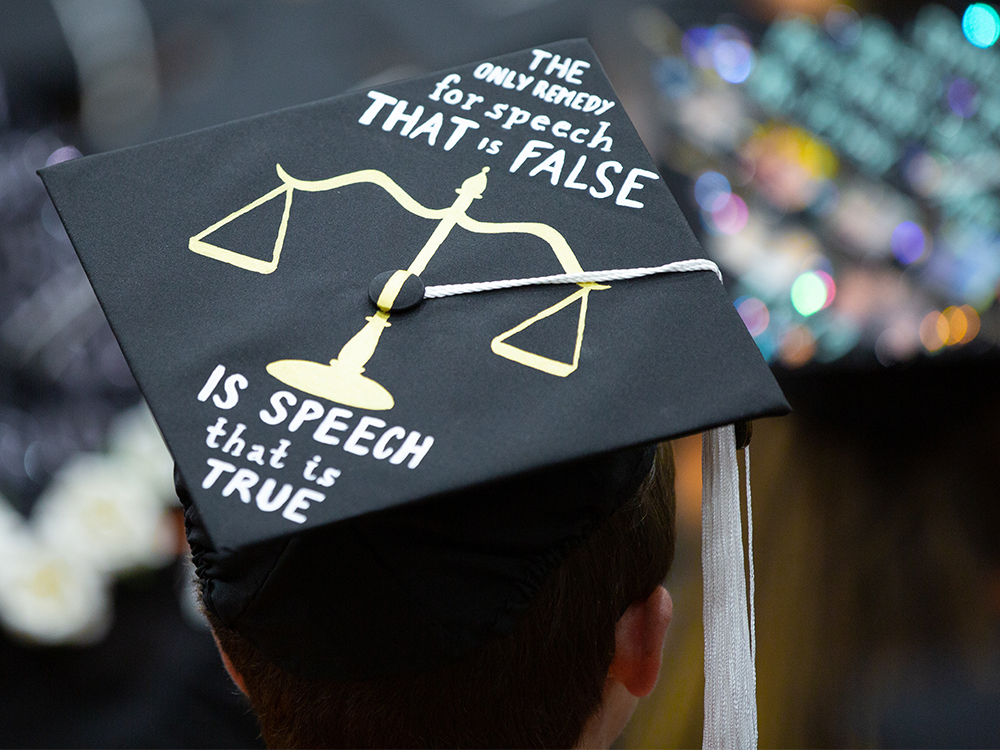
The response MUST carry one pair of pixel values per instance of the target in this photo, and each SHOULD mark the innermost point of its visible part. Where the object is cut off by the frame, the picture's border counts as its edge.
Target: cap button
(396, 290)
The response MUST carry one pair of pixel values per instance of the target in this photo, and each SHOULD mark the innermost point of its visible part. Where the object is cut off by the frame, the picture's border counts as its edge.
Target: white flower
(100, 516)
(45, 597)
(99, 511)
(135, 438)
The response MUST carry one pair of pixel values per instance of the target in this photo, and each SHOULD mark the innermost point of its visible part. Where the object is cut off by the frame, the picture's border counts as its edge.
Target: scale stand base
(337, 381)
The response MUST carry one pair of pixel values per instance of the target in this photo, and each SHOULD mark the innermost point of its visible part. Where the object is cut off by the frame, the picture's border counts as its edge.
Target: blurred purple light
(756, 317)
(733, 60)
(62, 154)
(711, 191)
(908, 242)
(697, 44)
(732, 216)
(963, 98)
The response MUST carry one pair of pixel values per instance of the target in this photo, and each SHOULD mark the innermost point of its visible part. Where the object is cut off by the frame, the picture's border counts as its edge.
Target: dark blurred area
(839, 166)
(839, 162)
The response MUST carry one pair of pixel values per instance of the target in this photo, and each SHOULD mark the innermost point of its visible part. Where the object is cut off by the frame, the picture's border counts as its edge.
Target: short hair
(535, 686)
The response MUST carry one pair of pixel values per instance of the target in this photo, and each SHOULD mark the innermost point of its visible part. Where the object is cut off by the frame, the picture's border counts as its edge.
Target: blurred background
(841, 163)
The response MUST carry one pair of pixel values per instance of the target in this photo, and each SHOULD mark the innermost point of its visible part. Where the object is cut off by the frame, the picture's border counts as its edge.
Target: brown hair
(535, 686)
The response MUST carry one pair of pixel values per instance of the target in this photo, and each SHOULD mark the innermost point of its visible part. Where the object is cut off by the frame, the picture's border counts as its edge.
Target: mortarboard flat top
(238, 267)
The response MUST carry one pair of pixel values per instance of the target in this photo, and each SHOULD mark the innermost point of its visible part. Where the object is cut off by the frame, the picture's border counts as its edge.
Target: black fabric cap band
(414, 587)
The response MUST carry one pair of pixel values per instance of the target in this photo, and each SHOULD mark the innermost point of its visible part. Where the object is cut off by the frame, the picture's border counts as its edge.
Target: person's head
(569, 670)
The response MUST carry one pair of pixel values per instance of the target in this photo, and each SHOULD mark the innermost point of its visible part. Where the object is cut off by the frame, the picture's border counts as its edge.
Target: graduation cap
(428, 289)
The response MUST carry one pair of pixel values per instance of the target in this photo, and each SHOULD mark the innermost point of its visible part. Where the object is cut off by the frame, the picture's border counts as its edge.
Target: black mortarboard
(272, 284)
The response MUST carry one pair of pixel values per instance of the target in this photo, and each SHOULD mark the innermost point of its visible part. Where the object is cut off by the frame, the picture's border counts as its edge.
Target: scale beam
(341, 379)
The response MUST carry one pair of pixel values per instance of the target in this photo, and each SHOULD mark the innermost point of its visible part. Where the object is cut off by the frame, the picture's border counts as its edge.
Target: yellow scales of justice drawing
(341, 379)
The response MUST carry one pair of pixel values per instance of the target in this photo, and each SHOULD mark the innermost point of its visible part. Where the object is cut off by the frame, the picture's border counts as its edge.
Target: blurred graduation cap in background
(341, 310)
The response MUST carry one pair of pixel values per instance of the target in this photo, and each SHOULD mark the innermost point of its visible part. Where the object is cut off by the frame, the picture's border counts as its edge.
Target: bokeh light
(754, 313)
(697, 45)
(797, 346)
(843, 25)
(981, 25)
(963, 97)
(831, 287)
(963, 324)
(926, 173)
(791, 166)
(723, 48)
(956, 325)
(934, 331)
(62, 154)
(811, 292)
(908, 242)
(732, 216)
(733, 60)
(972, 317)
(712, 191)
(897, 343)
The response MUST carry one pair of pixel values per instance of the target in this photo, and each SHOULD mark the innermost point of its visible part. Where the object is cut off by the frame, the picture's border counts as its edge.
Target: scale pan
(338, 382)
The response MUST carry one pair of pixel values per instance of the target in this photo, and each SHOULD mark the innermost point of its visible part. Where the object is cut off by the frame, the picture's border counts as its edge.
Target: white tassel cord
(753, 613)
(619, 274)
(730, 674)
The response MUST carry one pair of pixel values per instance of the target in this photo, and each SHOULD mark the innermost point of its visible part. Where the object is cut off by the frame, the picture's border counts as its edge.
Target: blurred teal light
(981, 25)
